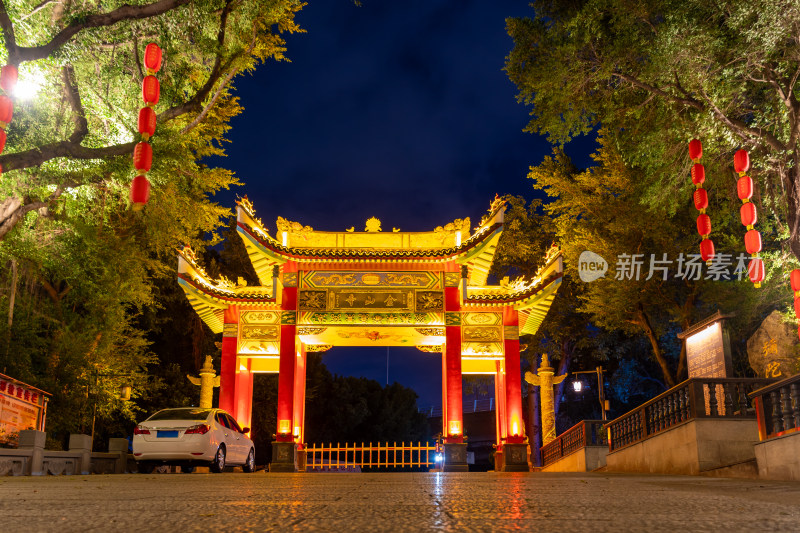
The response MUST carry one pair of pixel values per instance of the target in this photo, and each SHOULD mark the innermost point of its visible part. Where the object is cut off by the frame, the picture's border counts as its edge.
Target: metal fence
(404, 455)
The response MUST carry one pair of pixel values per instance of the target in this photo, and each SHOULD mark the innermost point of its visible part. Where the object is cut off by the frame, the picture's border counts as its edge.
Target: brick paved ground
(396, 502)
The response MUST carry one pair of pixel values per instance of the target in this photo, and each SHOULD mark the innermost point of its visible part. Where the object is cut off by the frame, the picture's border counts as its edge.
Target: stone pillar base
(515, 458)
(283, 457)
(455, 457)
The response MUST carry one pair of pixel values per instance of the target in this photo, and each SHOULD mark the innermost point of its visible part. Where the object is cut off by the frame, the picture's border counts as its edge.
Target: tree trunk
(11, 299)
(643, 321)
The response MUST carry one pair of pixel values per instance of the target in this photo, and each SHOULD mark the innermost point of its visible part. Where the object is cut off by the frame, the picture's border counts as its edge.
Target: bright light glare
(438, 458)
(29, 84)
(577, 386)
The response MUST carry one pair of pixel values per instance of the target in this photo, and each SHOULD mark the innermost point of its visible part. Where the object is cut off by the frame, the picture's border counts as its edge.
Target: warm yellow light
(515, 428)
(455, 427)
(285, 238)
(458, 238)
(242, 367)
(284, 427)
(297, 431)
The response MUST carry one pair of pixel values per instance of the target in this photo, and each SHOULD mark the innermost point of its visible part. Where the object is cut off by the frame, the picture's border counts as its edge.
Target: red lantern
(744, 187)
(695, 149)
(741, 161)
(748, 214)
(794, 277)
(8, 78)
(756, 270)
(143, 157)
(151, 90)
(2, 139)
(700, 199)
(147, 122)
(152, 57)
(797, 307)
(6, 110)
(704, 224)
(140, 191)
(707, 250)
(752, 241)
(698, 174)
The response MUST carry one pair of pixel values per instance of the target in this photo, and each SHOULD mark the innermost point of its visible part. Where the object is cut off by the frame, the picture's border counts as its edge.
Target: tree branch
(72, 96)
(18, 54)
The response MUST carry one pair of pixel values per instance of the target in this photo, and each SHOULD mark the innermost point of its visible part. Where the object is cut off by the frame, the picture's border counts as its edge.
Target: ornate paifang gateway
(371, 288)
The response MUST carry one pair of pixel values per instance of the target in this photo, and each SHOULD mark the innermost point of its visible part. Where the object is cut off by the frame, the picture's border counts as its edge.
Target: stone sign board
(773, 350)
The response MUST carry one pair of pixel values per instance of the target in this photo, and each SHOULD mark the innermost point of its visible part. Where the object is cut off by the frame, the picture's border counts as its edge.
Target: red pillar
(500, 403)
(286, 365)
(243, 401)
(453, 422)
(514, 424)
(227, 374)
(299, 394)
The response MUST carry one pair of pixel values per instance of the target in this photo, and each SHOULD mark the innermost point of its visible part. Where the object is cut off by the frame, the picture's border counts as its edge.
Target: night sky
(399, 110)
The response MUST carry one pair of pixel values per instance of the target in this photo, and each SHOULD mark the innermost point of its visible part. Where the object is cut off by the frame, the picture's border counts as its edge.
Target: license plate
(171, 434)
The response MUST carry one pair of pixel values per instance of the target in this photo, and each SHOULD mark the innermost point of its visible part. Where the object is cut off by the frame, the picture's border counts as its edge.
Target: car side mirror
(245, 429)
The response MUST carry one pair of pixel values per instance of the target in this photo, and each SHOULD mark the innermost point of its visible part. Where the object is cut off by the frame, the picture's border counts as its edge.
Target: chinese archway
(373, 288)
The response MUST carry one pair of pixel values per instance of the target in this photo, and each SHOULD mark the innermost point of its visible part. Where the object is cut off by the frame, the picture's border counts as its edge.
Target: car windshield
(192, 413)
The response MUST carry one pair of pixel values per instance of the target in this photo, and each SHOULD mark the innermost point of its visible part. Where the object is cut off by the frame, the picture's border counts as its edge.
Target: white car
(191, 436)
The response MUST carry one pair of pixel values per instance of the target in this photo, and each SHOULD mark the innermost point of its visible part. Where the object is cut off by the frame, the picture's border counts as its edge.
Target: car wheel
(218, 465)
(250, 465)
(187, 469)
(145, 467)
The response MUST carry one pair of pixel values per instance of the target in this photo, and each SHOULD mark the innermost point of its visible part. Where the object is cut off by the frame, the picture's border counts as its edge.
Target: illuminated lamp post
(577, 386)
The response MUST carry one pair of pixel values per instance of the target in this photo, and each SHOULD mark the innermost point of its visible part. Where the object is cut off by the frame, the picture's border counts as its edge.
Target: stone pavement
(396, 502)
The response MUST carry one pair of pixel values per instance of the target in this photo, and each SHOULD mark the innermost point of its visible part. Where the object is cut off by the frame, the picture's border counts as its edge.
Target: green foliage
(94, 292)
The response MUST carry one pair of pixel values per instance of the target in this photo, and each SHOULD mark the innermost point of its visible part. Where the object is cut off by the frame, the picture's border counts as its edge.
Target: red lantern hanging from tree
(756, 271)
(6, 110)
(698, 174)
(151, 90)
(8, 78)
(695, 149)
(748, 215)
(741, 161)
(700, 198)
(143, 151)
(748, 212)
(140, 191)
(143, 157)
(794, 278)
(152, 58)
(707, 250)
(752, 241)
(147, 122)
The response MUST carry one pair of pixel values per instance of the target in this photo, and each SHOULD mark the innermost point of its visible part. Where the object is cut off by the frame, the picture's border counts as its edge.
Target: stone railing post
(120, 447)
(83, 445)
(30, 439)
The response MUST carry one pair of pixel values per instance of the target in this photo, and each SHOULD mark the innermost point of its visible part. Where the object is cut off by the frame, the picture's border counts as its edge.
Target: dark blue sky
(399, 110)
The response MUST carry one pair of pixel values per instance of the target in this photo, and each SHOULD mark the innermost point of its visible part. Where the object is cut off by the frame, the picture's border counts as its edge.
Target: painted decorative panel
(420, 280)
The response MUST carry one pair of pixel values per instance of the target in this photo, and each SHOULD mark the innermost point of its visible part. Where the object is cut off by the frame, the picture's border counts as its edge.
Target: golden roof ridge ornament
(373, 225)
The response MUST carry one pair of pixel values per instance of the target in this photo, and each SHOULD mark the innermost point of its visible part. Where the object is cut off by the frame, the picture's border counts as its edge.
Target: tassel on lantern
(748, 213)
(700, 198)
(143, 151)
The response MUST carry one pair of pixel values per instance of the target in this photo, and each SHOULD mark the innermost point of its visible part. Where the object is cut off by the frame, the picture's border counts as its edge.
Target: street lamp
(577, 386)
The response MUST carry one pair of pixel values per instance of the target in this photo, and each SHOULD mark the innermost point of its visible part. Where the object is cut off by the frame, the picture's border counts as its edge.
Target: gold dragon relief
(478, 333)
(313, 300)
(260, 317)
(264, 333)
(478, 349)
(346, 300)
(430, 300)
(482, 319)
